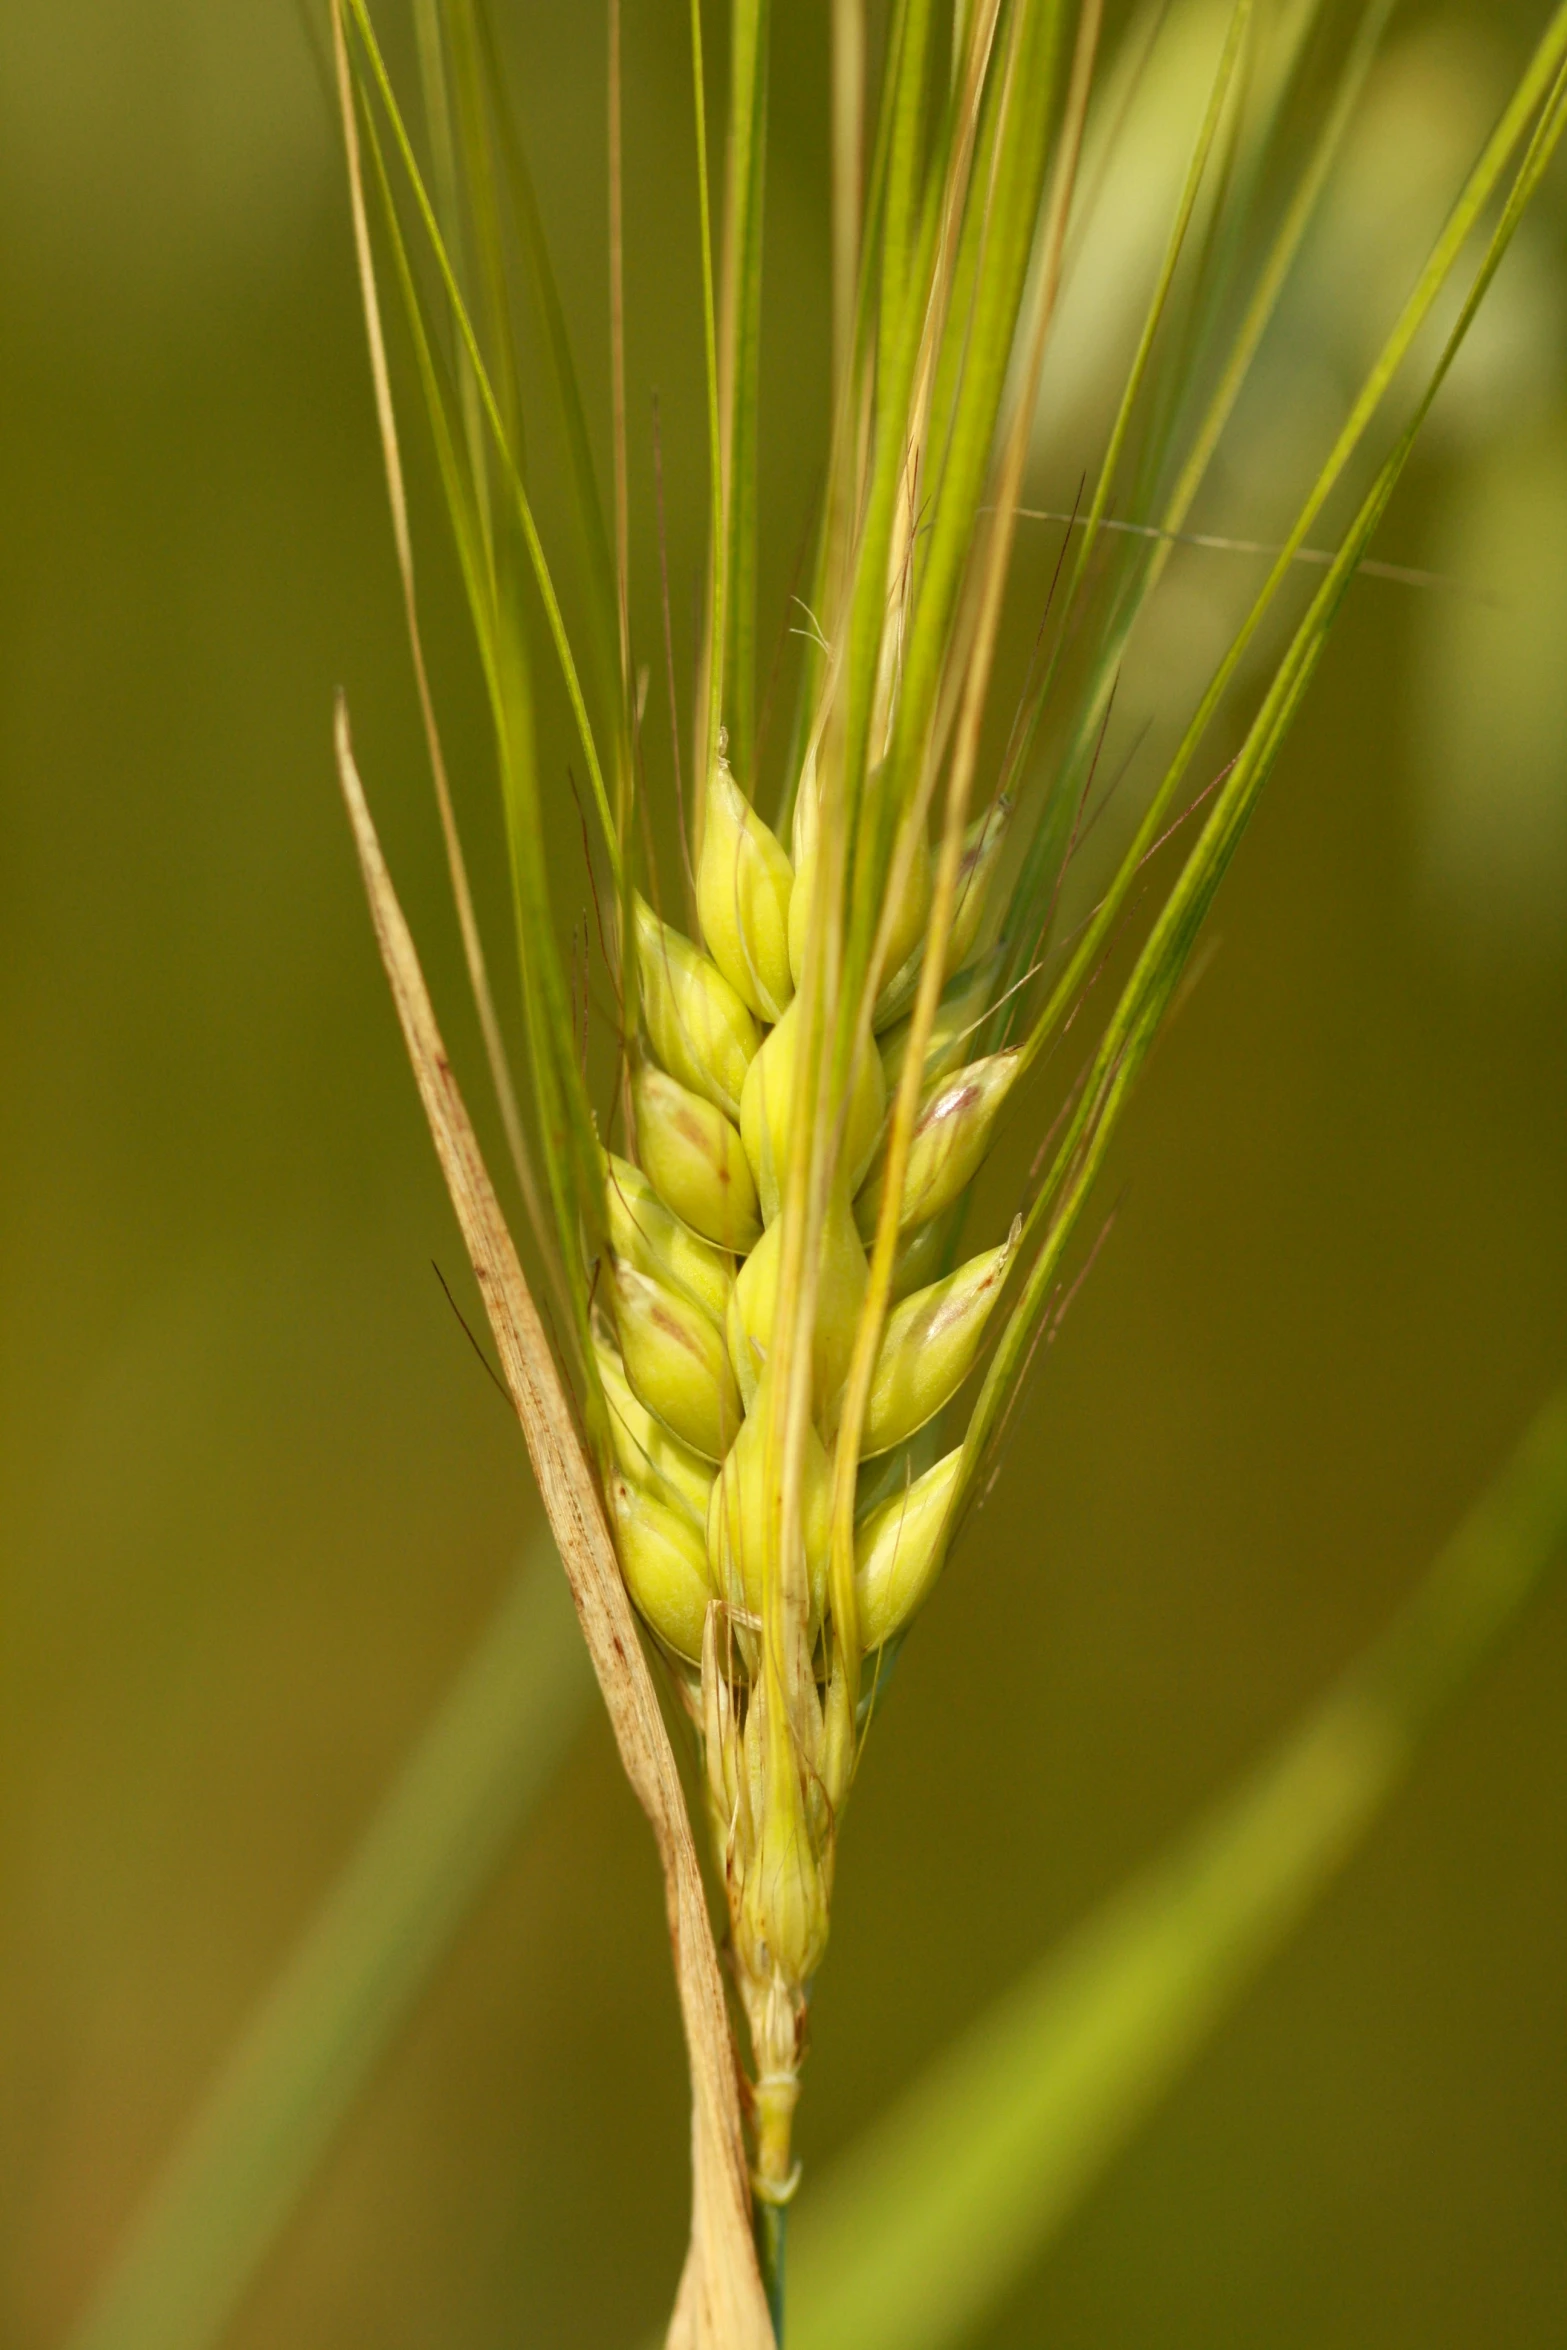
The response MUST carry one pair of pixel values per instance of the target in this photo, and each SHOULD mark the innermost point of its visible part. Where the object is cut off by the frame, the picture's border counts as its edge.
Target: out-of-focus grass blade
(300, 2062)
(926, 2224)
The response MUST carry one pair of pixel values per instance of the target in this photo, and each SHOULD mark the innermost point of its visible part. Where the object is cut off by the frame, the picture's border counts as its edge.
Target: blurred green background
(259, 1500)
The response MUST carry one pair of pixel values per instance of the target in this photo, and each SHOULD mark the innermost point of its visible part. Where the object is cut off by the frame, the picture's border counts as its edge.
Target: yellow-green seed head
(648, 1235)
(767, 1105)
(745, 1515)
(929, 1345)
(841, 1278)
(646, 1453)
(898, 1552)
(664, 1562)
(698, 1026)
(694, 1159)
(782, 1921)
(743, 886)
(677, 1362)
(952, 1133)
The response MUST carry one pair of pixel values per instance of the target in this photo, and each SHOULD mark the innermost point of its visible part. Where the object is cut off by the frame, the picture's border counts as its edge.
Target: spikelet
(700, 1029)
(647, 1454)
(929, 1345)
(744, 884)
(767, 1105)
(898, 1552)
(694, 1159)
(664, 1561)
(951, 1135)
(677, 1362)
(781, 1937)
(840, 1292)
(780, 1918)
(744, 1514)
(650, 1236)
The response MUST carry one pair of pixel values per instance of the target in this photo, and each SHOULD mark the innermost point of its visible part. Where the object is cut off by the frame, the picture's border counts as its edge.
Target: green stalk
(772, 2246)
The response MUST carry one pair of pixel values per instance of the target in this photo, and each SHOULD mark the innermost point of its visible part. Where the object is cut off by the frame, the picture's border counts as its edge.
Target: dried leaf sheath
(721, 2304)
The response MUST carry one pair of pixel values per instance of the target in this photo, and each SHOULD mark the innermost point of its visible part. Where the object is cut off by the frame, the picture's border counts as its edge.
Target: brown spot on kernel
(671, 1326)
(948, 1105)
(957, 1306)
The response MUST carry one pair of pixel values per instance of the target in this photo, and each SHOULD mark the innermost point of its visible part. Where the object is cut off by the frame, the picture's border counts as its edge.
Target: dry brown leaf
(721, 2304)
